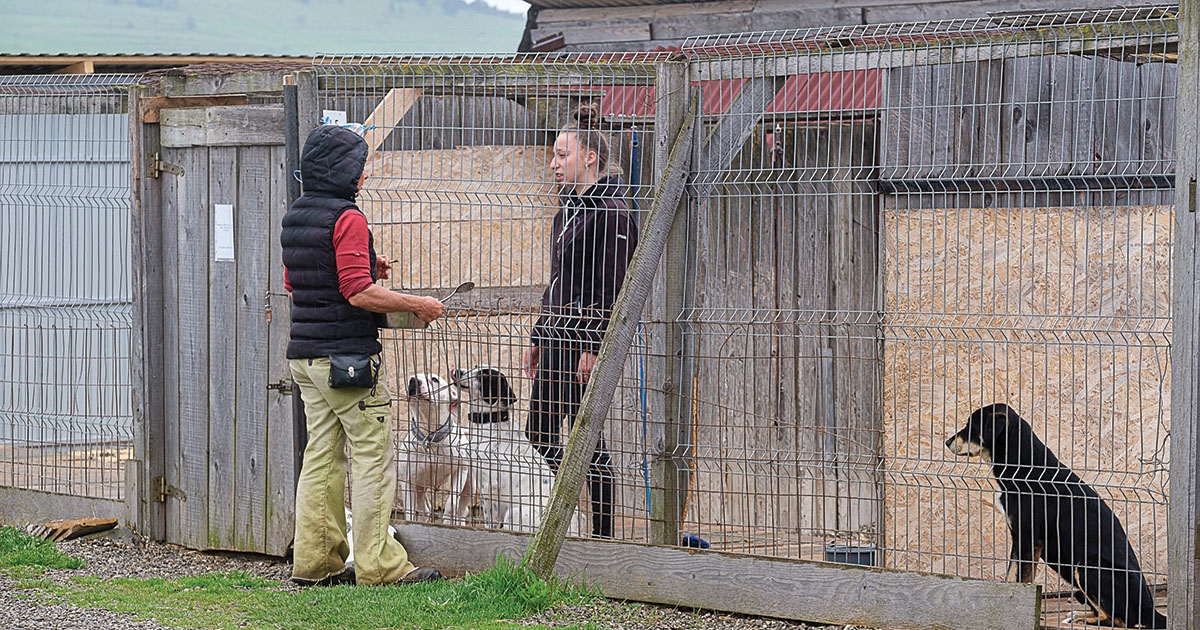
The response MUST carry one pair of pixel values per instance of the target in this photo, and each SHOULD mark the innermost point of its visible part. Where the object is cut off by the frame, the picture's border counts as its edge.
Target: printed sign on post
(333, 117)
(223, 232)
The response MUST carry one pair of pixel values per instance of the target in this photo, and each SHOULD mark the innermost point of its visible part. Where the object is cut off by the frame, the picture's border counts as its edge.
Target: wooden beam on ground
(622, 326)
(21, 507)
(390, 110)
(1183, 531)
(817, 592)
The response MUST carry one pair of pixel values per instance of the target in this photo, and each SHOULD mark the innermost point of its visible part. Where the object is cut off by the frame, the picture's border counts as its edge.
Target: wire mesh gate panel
(461, 188)
(65, 318)
(1028, 230)
(930, 219)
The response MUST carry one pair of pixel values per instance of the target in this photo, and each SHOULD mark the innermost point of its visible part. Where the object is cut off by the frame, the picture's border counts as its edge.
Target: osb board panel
(1062, 314)
(479, 213)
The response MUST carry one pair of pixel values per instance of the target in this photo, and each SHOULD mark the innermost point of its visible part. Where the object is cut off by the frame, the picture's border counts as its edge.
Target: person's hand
(532, 355)
(583, 372)
(383, 267)
(429, 309)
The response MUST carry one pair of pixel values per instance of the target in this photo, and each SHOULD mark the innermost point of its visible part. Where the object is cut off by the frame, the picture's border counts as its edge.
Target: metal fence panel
(65, 296)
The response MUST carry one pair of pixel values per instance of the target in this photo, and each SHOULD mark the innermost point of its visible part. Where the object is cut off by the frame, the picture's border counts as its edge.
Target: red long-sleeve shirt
(350, 245)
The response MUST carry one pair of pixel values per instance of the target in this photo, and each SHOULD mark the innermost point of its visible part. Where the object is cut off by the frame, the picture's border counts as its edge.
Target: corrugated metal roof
(827, 92)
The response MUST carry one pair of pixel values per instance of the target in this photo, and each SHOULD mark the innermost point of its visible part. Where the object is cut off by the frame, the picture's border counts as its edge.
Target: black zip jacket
(594, 236)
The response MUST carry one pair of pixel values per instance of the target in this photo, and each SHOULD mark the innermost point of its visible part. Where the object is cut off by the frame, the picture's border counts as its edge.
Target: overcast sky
(515, 6)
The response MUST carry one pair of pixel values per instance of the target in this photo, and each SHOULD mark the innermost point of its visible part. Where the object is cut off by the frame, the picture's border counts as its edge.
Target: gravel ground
(125, 554)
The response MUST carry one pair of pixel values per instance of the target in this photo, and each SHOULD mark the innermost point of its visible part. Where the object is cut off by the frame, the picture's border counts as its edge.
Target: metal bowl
(405, 320)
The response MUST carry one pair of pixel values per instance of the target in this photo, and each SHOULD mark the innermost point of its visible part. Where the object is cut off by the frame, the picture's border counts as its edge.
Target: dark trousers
(557, 393)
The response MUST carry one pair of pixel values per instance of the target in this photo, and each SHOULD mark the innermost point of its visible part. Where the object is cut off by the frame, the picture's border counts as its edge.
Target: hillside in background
(279, 27)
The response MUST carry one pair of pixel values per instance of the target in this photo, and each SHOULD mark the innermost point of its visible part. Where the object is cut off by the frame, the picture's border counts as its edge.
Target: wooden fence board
(219, 327)
(279, 470)
(257, 174)
(194, 229)
(172, 195)
(1183, 598)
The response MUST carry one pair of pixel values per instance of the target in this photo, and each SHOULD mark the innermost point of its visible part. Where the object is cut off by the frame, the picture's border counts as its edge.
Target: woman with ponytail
(594, 236)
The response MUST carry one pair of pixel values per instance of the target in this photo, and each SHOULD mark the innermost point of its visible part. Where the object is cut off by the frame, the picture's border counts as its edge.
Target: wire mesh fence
(65, 319)
(889, 228)
(462, 188)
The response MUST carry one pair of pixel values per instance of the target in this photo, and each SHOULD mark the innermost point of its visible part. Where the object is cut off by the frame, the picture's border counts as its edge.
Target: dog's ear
(504, 391)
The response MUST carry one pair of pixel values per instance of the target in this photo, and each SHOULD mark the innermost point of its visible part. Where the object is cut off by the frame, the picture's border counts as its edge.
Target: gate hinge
(162, 490)
(284, 386)
(156, 166)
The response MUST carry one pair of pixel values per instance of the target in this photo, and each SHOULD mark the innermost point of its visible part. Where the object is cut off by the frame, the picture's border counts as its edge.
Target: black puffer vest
(323, 321)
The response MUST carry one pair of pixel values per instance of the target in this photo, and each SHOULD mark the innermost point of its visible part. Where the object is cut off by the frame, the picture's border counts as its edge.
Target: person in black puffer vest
(330, 270)
(594, 238)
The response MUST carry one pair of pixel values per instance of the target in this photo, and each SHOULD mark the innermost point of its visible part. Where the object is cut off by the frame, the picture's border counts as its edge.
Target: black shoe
(345, 577)
(417, 576)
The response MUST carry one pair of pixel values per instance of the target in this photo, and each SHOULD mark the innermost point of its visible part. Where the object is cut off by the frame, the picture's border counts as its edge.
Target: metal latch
(157, 166)
(284, 386)
(162, 490)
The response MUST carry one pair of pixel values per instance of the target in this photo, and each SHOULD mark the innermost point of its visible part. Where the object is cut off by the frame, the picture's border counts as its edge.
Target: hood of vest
(332, 161)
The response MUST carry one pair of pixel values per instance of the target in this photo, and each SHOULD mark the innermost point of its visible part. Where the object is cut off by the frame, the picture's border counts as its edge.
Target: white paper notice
(333, 117)
(223, 231)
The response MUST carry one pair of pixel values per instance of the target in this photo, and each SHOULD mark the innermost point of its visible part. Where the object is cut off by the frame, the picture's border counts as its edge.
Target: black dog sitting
(1053, 515)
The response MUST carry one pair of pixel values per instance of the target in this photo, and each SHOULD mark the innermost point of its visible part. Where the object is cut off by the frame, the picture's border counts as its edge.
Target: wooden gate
(217, 413)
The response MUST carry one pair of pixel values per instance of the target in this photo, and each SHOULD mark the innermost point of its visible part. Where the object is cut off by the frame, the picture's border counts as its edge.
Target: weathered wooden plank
(1100, 39)
(241, 82)
(1156, 87)
(279, 466)
(388, 113)
(979, 143)
(1183, 598)
(857, 351)
(668, 366)
(810, 591)
(191, 314)
(308, 111)
(593, 33)
(248, 125)
(223, 350)
(147, 336)
(20, 507)
(253, 218)
(548, 17)
(149, 107)
(172, 201)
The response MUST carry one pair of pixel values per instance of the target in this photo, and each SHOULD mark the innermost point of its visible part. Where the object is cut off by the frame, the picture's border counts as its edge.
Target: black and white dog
(1053, 515)
(429, 458)
(512, 478)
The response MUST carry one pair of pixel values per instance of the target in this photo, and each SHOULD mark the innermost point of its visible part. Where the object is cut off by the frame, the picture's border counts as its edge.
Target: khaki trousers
(335, 417)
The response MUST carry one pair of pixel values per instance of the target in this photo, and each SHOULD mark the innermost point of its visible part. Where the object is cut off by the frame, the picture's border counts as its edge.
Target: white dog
(429, 458)
(512, 477)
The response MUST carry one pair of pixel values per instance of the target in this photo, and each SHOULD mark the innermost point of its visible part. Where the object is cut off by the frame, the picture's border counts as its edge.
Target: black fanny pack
(353, 370)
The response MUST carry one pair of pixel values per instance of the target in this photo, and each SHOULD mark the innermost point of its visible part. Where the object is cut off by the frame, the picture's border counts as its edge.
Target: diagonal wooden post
(543, 551)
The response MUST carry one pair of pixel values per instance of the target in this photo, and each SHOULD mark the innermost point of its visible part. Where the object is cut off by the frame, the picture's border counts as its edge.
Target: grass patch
(238, 600)
(25, 556)
(487, 600)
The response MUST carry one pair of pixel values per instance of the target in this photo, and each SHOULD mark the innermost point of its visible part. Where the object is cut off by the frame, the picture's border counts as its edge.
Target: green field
(271, 27)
